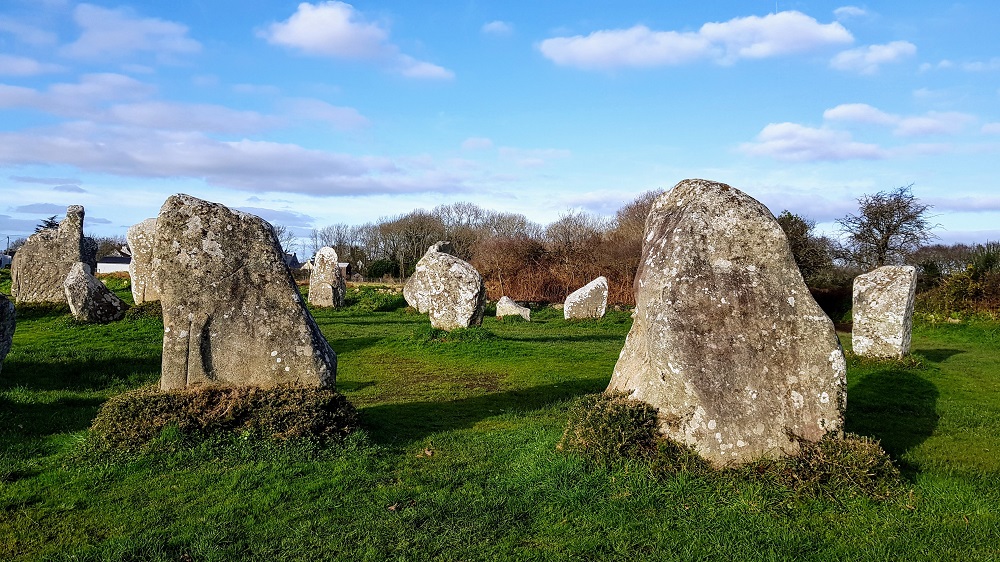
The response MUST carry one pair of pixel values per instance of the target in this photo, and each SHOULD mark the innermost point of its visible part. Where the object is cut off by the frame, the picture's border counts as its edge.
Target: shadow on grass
(80, 374)
(343, 346)
(587, 338)
(896, 406)
(32, 419)
(937, 355)
(412, 421)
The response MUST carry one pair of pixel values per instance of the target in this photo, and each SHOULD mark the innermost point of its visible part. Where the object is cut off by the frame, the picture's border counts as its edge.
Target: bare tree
(812, 253)
(286, 238)
(889, 226)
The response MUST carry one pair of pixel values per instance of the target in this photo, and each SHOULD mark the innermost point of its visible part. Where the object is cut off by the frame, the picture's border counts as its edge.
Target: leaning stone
(883, 311)
(232, 315)
(589, 301)
(727, 342)
(89, 300)
(7, 324)
(140, 269)
(327, 286)
(507, 307)
(447, 288)
(41, 265)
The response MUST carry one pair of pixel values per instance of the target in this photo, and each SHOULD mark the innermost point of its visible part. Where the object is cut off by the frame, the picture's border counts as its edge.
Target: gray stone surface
(140, 241)
(507, 307)
(8, 322)
(446, 288)
(89, 299)
(589, 301)
(727, 342)
(232, 315)
(41, 265)
(883, 311)
(327, 286)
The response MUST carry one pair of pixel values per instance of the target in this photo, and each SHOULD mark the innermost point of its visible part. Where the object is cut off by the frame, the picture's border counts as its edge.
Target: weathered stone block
(89, 300)
(507, 307)
(727, 342)
(327, 286)
(232, 314)
(589, 301)
(41, 265)
(883, 311)
(8, 322)
(140, 238)
(447, 288)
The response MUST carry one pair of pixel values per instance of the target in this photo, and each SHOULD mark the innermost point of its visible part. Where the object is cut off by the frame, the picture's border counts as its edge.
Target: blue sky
(310, 114)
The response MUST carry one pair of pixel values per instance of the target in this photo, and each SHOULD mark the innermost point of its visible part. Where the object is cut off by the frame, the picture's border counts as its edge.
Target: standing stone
(727, 342)
(327, 286)
(89, 300)
(41, 265)
(883, 311)
(507, 307)
(7, 325)
(589, 301)
(232, 315)
(140, 269)
(447, 288)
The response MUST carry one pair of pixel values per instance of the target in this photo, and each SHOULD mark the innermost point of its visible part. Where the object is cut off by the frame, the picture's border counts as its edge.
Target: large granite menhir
(447, 288)
(89, 299)
(8, 322)
(232, 315)
(140, 242)
(327, 286)
(727, 342)
(882, 315)
(41, 265)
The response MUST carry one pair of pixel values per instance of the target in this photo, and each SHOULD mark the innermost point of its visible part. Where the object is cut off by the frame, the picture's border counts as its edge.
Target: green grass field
(457, 457)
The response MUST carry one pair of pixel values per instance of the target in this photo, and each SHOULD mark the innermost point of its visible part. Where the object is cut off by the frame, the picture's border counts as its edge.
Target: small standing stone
(41, 265)
(447, 288)
(89, 300)
(327, 286)
(589, 301)
(140, 269)
(883, 311)
(8, 322)
(507, 307)
(232, 314)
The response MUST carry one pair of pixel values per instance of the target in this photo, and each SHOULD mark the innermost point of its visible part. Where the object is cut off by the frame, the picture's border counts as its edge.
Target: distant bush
(374, 298)
(134, 420)
(975, 290)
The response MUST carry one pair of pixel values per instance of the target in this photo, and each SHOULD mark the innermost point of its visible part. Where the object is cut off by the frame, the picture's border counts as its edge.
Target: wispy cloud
(931, 123)
(11, 65)
(797, 143)
(477, 143)
(868, 60)
(116, 33)
(497, 27)
(337, 30)
(752, 37)
(27, 34)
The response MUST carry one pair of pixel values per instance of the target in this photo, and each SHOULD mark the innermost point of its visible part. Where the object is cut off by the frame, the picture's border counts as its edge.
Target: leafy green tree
(812, 253)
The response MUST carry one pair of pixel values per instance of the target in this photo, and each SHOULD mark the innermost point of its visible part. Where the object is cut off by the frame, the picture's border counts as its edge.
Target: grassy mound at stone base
(610, 427)
(133, 420)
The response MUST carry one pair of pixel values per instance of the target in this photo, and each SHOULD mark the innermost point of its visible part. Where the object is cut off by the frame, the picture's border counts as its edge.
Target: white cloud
(497, 27)
(342, 118)
(76, 99)
(797, 143)
(931, 123)
(45, 181)
(750, 37)
(186, 117)
(25, 33)
(991, 129)
(336, 30)
(867, 60)
(117, 33)
(11, 65)
(477, 143)
(848, 12)
(860, 113)
(982, 66)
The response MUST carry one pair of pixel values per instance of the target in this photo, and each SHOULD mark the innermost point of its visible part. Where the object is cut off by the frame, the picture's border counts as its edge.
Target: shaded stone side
(232, 314)
(327, 286)
(8, 322)
(589, 301)
(89, 299)
(727, 342)
(41, 265)
(140, 238)
(507, 307)
(883, 311)
(446, 288)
